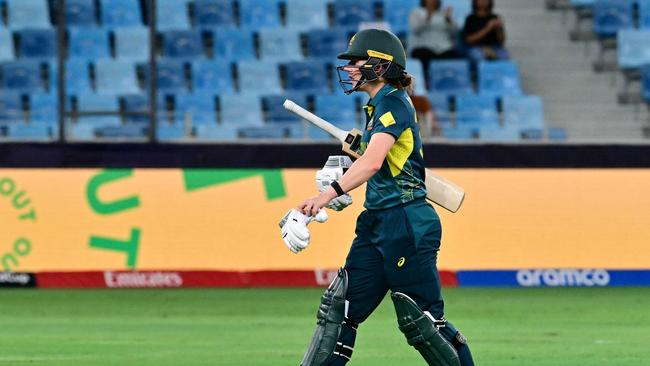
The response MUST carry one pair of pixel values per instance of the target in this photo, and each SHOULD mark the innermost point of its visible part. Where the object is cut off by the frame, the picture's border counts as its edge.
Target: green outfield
(551, 327)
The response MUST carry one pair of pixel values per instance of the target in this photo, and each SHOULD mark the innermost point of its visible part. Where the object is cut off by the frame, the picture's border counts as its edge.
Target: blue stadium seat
(327, 43)
(32, 14)
(440, 105)
(461, 9)
(644, 13)
(89, 44)
(11, 107)
(171, 75)
(24, 75)
(612, 15)
(275, 112)
(499, 134)
(307, 76)
(350, 13)
(397, 12)
(476, 110)
(43, 108)
(240, 109)
(129, 43)
(99, 103)
(213, 75)
(172, 14)
(264, 132)
(338, 109)
(80, 13)
(257, 14)
(182, 44)
(645, 83)
(234, 44)
(37, 43)
(450, 77)
(115, 77)
(197, 108)
(30, 132)
(280, 44)
(121, 13)
(6, 45)
(414, 67)
(557, 134)
(459, 132)
(259, 77)
(139, 103)
(523, 111)
(633, 48)
(77, 77)
(533, 134)
(498, 78)
(170, 132)
(216, 132)
(214, 13)
(126, 132)
(303, 15)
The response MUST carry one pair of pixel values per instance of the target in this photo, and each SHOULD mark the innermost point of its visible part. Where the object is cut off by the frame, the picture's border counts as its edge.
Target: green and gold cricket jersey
(401, 177)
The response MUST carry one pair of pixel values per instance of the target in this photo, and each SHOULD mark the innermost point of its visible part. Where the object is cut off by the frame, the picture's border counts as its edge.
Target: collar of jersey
(380, 95)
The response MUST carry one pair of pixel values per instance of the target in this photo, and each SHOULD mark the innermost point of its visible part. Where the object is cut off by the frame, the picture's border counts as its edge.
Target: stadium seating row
(106, 76)
(231, 112)
(253, 14)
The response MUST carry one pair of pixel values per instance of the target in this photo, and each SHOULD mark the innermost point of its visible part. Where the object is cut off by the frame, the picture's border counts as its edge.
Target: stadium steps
(576, 98)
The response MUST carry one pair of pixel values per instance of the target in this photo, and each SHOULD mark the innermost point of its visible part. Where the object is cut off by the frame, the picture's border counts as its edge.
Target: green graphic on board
(203, 178)
(108, 208)
(24, 210)
(128, 247)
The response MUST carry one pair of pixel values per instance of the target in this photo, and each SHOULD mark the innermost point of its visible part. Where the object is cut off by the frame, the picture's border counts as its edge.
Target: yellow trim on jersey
(387, 119)
(385, 56)
(400, 151)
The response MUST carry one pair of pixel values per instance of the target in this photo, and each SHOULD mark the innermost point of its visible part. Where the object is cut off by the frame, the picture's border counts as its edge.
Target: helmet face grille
(371, 70)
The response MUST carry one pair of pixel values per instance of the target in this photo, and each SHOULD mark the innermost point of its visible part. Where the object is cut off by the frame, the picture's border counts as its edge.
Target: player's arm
(360, 171)
(369, 163)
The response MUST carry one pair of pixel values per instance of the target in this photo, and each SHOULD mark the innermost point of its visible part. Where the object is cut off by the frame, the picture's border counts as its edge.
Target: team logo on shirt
(370, 124)
(401, 262)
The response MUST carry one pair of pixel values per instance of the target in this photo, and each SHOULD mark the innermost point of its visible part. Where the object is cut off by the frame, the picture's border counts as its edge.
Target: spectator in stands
(426, 116)
(432, 33)
(484, 33)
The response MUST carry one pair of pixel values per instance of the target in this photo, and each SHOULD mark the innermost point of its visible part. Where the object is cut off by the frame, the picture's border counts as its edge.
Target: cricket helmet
(383, 51)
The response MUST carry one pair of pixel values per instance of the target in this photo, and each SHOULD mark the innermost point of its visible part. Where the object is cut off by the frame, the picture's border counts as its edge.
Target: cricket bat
(440, 191)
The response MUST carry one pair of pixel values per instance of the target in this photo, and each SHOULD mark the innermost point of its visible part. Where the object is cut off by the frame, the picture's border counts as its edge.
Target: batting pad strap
(343, 350)
(350, 324)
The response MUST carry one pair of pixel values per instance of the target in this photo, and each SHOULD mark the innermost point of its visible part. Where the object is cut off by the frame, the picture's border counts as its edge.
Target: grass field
(578, 326)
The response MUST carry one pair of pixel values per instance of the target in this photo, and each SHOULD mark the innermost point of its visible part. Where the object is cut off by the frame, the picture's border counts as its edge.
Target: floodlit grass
(550, 327)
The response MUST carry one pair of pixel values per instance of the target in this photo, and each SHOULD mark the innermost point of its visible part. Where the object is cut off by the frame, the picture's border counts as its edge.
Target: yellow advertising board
(227, 219)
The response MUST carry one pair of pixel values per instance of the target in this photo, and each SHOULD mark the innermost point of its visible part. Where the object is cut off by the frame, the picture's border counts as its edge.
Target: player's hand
(295, 233)
(332, 171)
(310, 206)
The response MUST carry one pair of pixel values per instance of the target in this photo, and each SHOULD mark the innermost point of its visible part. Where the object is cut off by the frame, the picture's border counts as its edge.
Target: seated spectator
(484, 33)
(426, 116)
(432, 34)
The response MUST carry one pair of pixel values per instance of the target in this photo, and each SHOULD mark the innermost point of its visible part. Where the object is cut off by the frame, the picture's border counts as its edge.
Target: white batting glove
(333, 170)
(295, 233)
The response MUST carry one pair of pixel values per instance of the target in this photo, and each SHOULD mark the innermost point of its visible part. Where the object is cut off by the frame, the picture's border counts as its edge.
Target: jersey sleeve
(391, 116)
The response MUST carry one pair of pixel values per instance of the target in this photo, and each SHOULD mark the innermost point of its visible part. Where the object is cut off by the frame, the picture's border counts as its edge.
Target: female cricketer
(398, 234)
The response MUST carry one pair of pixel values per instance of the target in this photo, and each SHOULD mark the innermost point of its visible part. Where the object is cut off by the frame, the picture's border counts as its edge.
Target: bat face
(351, 142)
